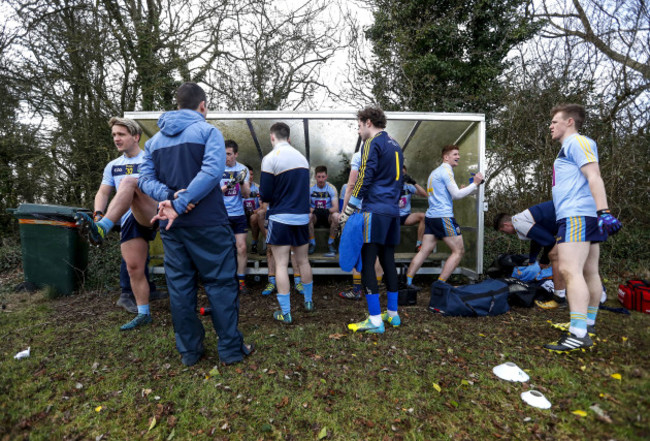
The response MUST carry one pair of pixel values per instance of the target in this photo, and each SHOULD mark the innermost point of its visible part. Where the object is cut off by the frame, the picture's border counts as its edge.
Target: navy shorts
(579, 229)
(380, 229)
(402, 219)
(322, 217)
(131, 229)
(279, 234)
(441, 227)
(239, 224)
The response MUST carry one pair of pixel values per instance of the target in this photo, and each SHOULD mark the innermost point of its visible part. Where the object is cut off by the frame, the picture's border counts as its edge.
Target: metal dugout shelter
(331, 138)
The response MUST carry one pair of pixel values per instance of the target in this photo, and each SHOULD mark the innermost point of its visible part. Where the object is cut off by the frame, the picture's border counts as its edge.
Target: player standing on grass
(284, 184)
(439, 218)
(235, 186)
(584, 220)
(378, 186)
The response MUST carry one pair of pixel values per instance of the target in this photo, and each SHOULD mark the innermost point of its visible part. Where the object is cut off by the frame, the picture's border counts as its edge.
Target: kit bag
(635, 295)
(407, 295)
(489, 297)
(504, 264)
(524, 294)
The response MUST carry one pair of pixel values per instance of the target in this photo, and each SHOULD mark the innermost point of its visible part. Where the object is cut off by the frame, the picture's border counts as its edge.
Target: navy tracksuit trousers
(205, 254)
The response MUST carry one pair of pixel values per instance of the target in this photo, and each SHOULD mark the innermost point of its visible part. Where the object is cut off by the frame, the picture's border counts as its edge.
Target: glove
(409, 180)
(240, 177)
(98, 215)
(343, 218)
(608, 223)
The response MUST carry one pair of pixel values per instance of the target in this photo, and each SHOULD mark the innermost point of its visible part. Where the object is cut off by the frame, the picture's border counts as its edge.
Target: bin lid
(46, 212)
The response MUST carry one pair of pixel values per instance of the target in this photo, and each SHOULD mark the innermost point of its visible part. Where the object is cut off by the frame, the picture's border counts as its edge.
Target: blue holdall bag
(489, 297)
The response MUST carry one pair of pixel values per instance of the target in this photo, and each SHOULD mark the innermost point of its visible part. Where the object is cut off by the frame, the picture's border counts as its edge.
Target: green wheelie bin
(53, 253)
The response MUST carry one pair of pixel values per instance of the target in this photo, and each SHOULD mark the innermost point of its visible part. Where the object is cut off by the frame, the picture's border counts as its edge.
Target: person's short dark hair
(575, 111)
(501, 219)
(374, 114)
(448, 148)
(281, 131)
(230, 144)
(189, 96)
(320, 169)
(249, 167)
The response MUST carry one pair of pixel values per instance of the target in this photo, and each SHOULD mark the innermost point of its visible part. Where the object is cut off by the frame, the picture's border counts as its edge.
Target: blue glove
(608, 223)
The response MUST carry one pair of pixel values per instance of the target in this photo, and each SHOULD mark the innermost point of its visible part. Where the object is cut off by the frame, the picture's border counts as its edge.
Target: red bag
(625, 296)
(635, 295)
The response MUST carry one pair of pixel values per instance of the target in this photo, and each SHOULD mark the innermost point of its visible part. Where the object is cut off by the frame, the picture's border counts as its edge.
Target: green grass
(314, 378)
(87, 380)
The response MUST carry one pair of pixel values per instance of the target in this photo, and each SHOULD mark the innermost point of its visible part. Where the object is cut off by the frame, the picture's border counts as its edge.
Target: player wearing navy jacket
(183, 165)
(378, 186)
(284, 184)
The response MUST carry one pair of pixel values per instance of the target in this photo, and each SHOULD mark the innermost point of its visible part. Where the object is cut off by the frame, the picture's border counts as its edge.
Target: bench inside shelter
(330, 139)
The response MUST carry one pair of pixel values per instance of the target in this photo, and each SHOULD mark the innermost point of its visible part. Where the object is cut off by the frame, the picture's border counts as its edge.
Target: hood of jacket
(174, 122)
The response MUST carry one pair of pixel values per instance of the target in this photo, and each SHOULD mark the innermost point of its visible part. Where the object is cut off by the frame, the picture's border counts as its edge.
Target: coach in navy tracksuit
(538, 225)
(182, 167)
(379, 186)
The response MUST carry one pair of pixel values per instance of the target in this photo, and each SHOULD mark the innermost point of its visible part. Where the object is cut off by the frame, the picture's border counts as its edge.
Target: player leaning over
(439, 218)
(130, 208)
(583, 222)
(284, 184)
(378, 186)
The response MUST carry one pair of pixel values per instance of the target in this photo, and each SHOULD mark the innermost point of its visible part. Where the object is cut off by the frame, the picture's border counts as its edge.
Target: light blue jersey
(571, 193)
(120, 168)
(323, 197)
(405, 199)
(440, 202)
(252, 202)
(355, 162)
(232, 197)
(442, 190)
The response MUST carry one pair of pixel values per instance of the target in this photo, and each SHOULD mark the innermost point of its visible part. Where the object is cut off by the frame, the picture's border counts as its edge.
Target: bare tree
(614, 40)
(276, 56)
(163, 43)
(567, 62)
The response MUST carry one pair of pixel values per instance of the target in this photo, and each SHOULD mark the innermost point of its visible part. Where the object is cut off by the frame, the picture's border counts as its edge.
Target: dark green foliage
(104, 266)
(444, 55)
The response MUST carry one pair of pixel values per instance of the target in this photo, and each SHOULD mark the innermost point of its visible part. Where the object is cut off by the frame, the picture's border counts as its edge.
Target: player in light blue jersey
(130, 208)
(235, 186)
(439, 218)
(252, 209)
(406, 216)
(324, 207)
(584, 220)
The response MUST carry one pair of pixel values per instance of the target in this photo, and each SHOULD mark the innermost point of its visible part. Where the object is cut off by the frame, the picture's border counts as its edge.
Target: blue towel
(526, 273)
(351, 243)
(546, 273)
